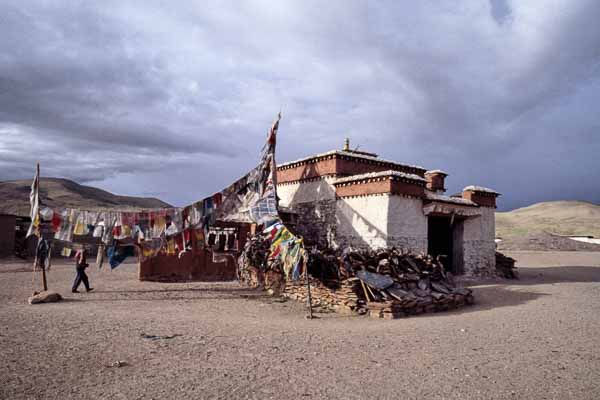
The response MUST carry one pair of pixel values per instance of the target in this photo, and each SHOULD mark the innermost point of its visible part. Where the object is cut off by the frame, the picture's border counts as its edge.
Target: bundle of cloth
(274, 249)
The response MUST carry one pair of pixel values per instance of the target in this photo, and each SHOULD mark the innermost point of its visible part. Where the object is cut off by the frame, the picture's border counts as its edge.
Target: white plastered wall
(304, 192)
(362, 221)
(380, 221)
(407, 225)
(479, 247)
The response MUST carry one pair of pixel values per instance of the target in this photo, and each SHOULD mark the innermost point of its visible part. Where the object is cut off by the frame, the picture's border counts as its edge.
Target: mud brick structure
(348, 197)
(7, 234)
(204, 262)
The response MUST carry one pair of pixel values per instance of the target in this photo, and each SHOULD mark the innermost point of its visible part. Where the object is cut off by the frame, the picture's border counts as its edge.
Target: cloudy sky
(174, 100)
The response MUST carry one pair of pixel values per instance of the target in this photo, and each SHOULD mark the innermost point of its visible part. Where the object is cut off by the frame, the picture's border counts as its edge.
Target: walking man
(80, 266)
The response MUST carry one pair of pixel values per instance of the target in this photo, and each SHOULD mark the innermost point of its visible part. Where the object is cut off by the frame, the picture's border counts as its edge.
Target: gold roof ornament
(347, 144)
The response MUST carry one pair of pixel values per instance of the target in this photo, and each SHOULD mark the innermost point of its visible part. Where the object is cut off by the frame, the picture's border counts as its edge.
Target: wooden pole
(39, 232)
(309, 298)
(44, 282)
(34, 266)
(365, 290)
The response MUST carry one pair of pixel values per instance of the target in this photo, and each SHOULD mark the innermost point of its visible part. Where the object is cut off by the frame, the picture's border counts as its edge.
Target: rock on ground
(45, 297)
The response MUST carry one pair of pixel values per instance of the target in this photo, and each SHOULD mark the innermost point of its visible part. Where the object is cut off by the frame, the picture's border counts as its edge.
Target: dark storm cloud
(131, 95)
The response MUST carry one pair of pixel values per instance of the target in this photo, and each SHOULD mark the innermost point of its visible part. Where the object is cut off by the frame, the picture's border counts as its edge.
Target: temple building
(349, 197)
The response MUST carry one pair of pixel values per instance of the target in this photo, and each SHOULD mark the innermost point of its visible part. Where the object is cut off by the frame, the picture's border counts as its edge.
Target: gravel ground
(536, 338)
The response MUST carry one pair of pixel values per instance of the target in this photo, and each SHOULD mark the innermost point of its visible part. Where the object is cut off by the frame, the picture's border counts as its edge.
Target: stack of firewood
(412, 304)
(505, 266)
(342, 296)
(387, 283)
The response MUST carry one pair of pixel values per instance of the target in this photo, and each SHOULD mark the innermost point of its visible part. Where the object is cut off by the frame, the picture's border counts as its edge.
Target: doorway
(444, 237)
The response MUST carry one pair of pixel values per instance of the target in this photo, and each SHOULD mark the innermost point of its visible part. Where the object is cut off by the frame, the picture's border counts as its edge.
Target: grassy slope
(561, 217)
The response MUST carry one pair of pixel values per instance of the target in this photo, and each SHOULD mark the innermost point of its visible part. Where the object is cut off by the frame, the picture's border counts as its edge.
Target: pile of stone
(342, 297)
(505, 266)
(387, 283)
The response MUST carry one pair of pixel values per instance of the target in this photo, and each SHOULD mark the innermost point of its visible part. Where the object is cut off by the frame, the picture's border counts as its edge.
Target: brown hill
(537, 227)
(56, 192)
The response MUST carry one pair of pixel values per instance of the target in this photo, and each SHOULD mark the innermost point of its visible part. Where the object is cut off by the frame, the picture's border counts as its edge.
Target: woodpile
(505, 266)
(410, 305)
(385, 284)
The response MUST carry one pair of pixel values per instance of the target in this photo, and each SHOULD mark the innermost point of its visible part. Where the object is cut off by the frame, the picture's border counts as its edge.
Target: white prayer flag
(34, 201)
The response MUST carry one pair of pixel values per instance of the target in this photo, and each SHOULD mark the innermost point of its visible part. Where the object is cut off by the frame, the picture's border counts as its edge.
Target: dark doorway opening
(444, 237)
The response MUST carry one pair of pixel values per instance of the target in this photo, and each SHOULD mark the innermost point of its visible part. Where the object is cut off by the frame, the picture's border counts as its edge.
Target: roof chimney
(483, 196)
(435, 180)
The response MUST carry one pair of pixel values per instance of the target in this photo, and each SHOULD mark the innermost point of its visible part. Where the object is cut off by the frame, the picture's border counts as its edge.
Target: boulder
(45, 297)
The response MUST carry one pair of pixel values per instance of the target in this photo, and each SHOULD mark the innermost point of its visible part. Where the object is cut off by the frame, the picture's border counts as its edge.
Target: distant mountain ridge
(537, 226)
(57, 192)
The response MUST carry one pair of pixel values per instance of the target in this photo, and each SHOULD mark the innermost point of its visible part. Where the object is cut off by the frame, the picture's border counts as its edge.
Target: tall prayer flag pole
(34, 201)
(34, 228)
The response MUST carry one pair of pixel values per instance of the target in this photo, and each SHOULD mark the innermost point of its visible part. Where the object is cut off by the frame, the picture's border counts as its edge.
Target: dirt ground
(537, 338)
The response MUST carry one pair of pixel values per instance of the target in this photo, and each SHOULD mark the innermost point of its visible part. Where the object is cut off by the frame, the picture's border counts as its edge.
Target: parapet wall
(339, 163)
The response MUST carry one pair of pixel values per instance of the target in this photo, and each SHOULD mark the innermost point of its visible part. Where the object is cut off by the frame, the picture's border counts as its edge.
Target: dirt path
(532, 339)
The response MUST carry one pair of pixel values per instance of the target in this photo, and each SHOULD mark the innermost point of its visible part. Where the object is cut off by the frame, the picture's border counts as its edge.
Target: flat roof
(448, 199)
(480, 189)
(349, 154)
(371, 175)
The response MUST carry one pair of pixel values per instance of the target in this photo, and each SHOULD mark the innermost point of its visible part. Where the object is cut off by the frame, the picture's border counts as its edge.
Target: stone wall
(314, 203)
(316, 222)
(479, 247)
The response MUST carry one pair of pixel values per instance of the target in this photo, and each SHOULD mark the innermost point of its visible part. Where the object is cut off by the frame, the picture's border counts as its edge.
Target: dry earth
(536, 338)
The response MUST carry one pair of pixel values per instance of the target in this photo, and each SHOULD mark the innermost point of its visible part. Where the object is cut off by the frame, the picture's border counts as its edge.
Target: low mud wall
(199, 266)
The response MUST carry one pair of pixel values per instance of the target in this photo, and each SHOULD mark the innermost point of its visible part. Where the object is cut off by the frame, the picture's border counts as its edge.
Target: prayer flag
(34, 201)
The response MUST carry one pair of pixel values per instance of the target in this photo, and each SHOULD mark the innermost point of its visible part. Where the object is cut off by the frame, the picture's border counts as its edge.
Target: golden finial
(347, 144)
